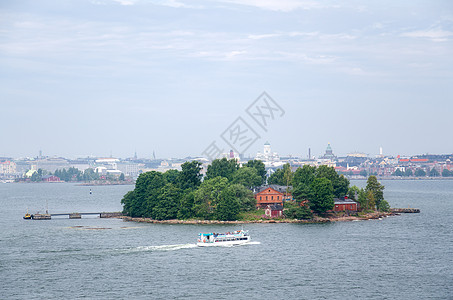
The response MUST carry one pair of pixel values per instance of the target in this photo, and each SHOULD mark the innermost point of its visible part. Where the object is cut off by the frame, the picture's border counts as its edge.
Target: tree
(258, 165)
(227, 206)
(281, 176)
(295, 211)
(353, 193)
(371, 202)
(121, 177)
(376, 189)
(363, 200)
(244, 196)
(167, 204)
(420, 173)
(363, 173)
(446, 173)
(172, 176)
(398, 172)
(186, 206)
(339, 182)
(433, 173)
(384, 206)
(247, 176)
(408, 173)
(190, 176)
(304, 175)
(208, 196)
(147, 190)
(35, 177)
(321, 195)
(222, 167)
(131, 206)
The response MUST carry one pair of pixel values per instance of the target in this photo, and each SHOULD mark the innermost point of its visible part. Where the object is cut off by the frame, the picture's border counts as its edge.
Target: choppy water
(403, 257)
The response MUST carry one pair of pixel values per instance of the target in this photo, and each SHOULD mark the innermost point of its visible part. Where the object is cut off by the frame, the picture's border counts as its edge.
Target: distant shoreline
(316, 220)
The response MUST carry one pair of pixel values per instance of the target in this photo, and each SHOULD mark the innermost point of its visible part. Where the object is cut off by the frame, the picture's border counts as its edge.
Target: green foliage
(408, 173)
(384, 206)
(353, 192)
(72, 174)
(363, 200)
(172, 176)
(167, 204)
(190, 176)
(301, 192)
(371, 202)
(244, 196)
(398, 172)
(247, 176)
(321, 195)
(363, 173)
(228, 206)
(304, 175)
(281, 176)
(447, 173)
(433, 173)
(222, 167)
(35, 177)
(258, 165)
(294, 211)
(186, 206)
(121, 178)
(377, 191)
(420, 173)
(208, 196)
(339, 182)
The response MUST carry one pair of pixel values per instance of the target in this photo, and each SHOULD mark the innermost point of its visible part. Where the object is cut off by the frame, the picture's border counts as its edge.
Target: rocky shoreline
(315, 220)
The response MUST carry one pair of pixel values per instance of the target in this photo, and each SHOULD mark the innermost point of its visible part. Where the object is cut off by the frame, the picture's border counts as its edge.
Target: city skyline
(91, 77)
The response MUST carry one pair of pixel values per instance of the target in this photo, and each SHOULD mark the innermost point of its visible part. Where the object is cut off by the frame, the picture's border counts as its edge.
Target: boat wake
(159, 248)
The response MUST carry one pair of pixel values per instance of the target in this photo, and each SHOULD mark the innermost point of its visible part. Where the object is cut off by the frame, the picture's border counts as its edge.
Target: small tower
(267, 149)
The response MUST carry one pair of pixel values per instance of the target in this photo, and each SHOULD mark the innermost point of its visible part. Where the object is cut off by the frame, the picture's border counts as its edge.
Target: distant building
(267, 155)
(329, 153)
(274, 211)
(50, 178)
(271, 195)
(7, 167)
(345, 204)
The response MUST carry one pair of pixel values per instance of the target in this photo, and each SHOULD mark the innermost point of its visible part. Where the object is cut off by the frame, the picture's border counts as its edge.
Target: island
(230, 193)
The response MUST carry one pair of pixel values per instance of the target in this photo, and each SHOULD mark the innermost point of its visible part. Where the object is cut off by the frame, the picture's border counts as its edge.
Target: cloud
(436, 35)
(278, 5)
(125, 2)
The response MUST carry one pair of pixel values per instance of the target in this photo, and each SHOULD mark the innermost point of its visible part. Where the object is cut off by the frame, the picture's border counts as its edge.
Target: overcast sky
(94, 77)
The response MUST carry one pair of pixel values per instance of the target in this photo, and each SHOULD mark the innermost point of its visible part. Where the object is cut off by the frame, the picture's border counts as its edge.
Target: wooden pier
(76, 215)
(406, 210)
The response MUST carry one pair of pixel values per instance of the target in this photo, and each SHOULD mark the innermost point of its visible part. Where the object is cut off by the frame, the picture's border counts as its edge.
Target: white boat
(223, 239)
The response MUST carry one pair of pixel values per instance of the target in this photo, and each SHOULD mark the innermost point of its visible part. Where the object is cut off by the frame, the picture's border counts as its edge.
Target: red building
(345, 204)
(50, 178)
(271, 195)
(274, 211)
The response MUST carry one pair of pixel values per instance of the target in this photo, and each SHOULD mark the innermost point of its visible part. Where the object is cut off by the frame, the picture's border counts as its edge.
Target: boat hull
(223, 243)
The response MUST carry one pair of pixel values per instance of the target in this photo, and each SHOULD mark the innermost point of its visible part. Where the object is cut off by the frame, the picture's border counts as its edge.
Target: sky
(104, 77)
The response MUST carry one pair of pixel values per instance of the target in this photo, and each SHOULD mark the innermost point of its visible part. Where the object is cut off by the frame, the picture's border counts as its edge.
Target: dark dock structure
(76, 215)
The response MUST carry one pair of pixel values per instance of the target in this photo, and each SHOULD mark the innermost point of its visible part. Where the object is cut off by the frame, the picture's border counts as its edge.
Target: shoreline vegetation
(315, 220)
(227, 193)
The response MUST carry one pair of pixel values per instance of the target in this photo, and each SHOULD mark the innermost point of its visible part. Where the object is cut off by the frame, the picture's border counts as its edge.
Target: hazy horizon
(101, 77)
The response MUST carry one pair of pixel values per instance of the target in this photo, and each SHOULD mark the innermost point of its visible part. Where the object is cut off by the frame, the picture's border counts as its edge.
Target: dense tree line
(421, 173)
(319, 186)
(371, 197)
(222, 195)
(74, 174)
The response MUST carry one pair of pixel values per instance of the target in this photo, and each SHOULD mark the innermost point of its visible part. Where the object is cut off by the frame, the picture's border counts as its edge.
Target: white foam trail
(162, 248)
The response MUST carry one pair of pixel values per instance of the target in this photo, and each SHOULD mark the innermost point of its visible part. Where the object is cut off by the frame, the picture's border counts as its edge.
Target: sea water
(402, 257)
